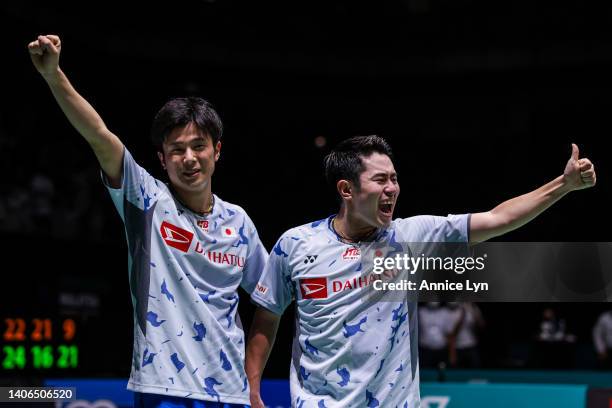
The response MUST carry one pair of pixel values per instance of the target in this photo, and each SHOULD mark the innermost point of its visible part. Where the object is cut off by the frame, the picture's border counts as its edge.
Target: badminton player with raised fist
(188, 249)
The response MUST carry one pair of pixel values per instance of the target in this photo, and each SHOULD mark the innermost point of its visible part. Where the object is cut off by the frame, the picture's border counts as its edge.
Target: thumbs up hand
(579, 173)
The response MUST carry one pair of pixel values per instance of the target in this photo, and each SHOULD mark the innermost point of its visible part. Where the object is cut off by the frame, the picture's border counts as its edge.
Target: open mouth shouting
(385, 208)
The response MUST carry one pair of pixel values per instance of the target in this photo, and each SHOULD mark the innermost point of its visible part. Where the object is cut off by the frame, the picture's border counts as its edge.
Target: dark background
(480, 101)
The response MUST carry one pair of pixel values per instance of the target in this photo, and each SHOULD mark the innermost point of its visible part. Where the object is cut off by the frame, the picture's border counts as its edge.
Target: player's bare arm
(516, 212)
(45, 54)
(261, 339)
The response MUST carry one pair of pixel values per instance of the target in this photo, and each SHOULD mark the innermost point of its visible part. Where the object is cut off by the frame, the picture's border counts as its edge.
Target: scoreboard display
(55, 346)
(67, 315)
(39, 343)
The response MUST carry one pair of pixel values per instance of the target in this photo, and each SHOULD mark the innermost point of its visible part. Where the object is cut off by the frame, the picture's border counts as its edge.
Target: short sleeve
(456, 228)
(274, 291)
(430, 228)
(138, 187)
(256, 258)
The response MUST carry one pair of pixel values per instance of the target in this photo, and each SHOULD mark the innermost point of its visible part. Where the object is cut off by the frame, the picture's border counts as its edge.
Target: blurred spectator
(463, 340)
(602, 338)
(18, 214)
(51, 199)
(553, 327)
(554, 341)
(436, 323)
(42, 196)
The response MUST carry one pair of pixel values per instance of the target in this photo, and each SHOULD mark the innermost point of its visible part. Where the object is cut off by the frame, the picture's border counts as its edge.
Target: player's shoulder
(139, 182)
(428, 220)
(432, 228)
(130, 162)
(228, 210)
(307, 231)
(416, 222)
(415, 219)
(303, 236)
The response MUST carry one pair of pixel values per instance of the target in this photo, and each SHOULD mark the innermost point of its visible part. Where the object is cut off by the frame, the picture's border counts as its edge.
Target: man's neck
(350, 228)
(200, 203)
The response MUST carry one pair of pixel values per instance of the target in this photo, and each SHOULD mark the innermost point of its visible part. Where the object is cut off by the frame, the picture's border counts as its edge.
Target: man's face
(374, 200)
(189, 158)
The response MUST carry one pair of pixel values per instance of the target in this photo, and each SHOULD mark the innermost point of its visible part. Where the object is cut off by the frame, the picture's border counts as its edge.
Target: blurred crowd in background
(52, 191)
(451, 335)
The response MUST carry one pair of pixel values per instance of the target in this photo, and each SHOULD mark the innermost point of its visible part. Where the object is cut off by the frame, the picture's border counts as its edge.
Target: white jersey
(184, 272)
(435, 324)
(347, 351)
(466, 336)
(602, 332)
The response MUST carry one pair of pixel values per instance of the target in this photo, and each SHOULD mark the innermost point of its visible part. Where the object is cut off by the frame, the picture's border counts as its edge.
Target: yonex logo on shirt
(176, 237)
(203, 224)
(310, 258)
(313, 288)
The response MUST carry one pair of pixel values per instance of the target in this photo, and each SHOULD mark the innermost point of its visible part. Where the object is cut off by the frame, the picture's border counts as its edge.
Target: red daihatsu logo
(176, 237)
(313, 288)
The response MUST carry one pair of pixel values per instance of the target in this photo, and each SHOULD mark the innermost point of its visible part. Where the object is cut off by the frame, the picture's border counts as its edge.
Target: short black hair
(345, 160)
(179, 112)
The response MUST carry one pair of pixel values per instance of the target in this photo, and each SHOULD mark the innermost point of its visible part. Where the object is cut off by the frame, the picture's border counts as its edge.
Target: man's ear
(162, 160)
(217, 150)
(345, 189)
